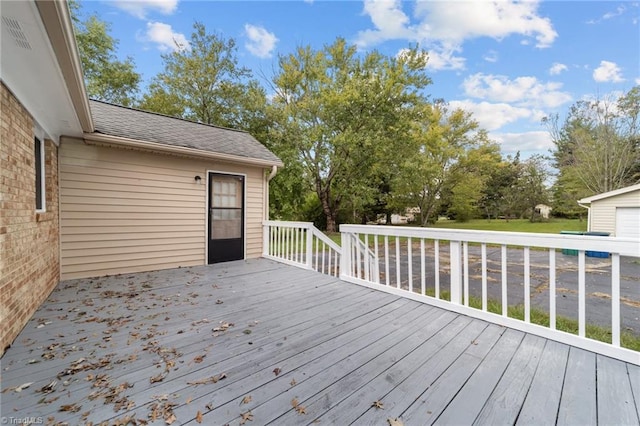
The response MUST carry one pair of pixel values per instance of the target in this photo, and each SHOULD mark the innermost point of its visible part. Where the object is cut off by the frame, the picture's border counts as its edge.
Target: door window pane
(226, 224)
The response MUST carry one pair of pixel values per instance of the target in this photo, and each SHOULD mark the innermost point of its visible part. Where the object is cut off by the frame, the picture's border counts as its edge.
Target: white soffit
(29, 68)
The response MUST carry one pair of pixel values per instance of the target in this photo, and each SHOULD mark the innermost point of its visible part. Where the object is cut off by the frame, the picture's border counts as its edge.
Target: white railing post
(455, 260)
(345, 258)
(309, 248)
(265, 238)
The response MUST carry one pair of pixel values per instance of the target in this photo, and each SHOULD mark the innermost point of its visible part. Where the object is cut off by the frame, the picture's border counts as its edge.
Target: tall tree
(440, 140)
(597, 147)
(202, 81)
(345, 115)
(532, 181)
(107, 78)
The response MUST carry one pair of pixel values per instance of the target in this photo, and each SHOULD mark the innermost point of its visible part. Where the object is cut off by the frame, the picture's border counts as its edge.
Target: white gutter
(100, 139)
(274, 171)
(588, 215)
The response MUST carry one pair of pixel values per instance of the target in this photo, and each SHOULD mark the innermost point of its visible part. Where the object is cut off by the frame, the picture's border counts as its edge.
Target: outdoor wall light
(198, 179)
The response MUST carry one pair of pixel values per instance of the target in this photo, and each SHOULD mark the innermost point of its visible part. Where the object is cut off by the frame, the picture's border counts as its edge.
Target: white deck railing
(415, 262)
(301, 244)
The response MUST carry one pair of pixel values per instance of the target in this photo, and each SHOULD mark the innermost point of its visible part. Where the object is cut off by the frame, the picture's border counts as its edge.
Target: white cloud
(491, 56)
(608, 72)
(493, 116)
(140, 8)
(619, 11)
(638, 80)
(557, 68)
(459, 21)
(523, 142)
(165, 38)
(522, 91)
(261, 42)
(443, 27)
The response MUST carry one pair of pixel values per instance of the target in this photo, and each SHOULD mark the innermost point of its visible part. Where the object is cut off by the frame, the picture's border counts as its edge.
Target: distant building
(543, 210)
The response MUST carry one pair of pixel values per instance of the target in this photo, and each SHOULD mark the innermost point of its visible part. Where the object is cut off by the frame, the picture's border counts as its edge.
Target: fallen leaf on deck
(48, 388)
(246, 399)
(293, 382)
(219, 302)
(170, 419)
(378, 404)
(73, 408)
(395, 422)
(223, 326)
(188, 401)
(209, 380)
(199, 417)
(199, 359)
(301, 409)
(276, 371)
(244, 417)
(21, 387)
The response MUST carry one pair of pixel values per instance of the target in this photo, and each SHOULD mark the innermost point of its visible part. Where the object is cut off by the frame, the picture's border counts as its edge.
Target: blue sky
(509, 63)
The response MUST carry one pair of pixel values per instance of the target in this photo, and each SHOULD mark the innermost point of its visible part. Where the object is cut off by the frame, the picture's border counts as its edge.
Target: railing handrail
(323, 237)
(622, 246)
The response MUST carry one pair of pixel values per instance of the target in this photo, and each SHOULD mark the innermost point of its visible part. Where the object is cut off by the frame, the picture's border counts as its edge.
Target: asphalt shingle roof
(115, 120)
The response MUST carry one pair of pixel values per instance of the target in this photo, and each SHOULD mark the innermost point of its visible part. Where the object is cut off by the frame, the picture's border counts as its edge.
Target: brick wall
(29, 241)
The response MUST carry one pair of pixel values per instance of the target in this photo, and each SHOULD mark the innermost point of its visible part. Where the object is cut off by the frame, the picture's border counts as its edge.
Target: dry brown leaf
(73, 408)
(246, 399)
(244, 417)
(276, 371)
(199, 417)
(378, 404)
(170, 419)
(293, 382)
(394, 422)
(199, 359)
(209, 380)
(295, 402)
(301, 409)
(188, 401)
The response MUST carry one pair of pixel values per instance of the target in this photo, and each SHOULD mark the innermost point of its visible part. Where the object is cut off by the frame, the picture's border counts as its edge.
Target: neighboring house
(616, 212)
(89, 189)
(543, 210)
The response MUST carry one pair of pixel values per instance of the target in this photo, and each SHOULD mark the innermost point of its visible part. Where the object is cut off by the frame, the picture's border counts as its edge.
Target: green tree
(531, 186)
(597, 147)
(441, 140)
(499, 194)
(106, 77)
(345, 116)
(470, 177)
(203, 82)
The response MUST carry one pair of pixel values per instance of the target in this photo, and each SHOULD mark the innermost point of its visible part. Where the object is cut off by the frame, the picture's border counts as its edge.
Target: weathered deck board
(578, 400)
(334, 347)
(541, 404)
(615, 398)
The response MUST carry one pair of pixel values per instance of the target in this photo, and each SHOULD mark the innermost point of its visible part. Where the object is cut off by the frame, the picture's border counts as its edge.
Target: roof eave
(616, 192)
(102, 139)
(57, 21)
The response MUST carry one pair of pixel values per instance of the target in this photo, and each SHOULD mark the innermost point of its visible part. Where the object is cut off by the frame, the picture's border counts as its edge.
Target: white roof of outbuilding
(609, 194)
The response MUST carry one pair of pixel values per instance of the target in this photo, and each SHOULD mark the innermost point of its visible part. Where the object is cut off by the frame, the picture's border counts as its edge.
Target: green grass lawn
(553, 226)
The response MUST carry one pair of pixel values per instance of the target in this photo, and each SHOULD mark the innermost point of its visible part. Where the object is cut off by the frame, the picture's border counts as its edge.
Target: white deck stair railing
(301, 244)
(411, 261)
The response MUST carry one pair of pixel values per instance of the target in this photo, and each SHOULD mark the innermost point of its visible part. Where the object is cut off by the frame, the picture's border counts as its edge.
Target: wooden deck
(259, 342)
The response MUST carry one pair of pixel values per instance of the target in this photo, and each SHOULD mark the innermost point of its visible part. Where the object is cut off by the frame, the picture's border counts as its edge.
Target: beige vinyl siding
(603, 212)
(129, 211)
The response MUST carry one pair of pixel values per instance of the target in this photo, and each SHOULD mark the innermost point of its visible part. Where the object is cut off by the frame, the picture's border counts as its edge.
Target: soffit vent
(14, 28)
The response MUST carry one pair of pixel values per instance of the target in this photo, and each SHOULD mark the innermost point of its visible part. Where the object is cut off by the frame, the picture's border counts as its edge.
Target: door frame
(206, 212)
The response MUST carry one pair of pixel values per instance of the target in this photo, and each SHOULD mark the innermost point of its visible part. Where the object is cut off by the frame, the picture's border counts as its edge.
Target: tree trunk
(329, 213)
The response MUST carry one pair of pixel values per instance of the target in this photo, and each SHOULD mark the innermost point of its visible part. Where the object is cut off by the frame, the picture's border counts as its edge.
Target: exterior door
(226, 217)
